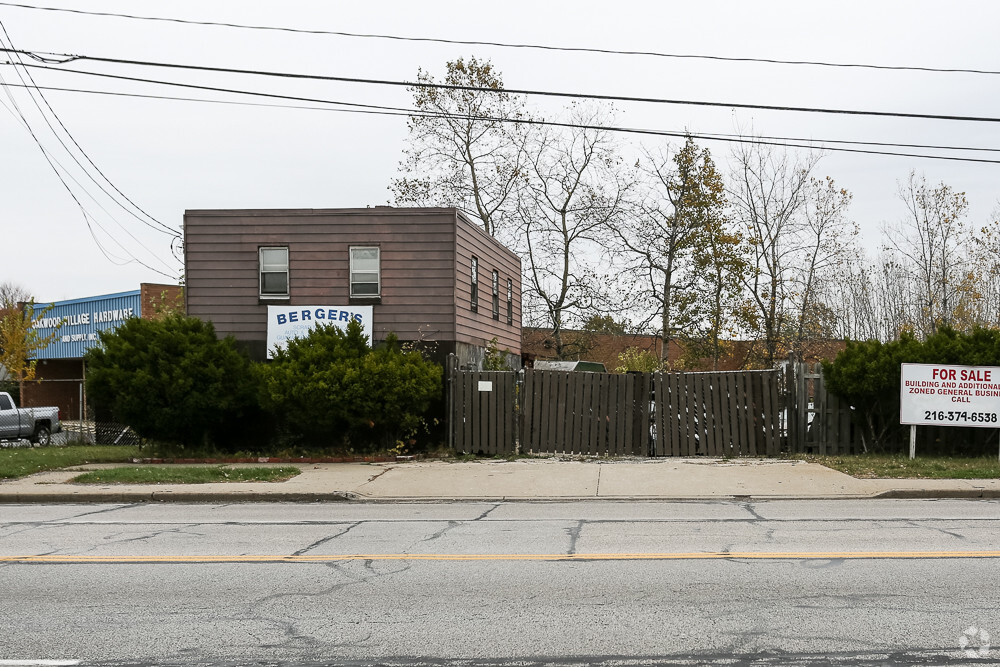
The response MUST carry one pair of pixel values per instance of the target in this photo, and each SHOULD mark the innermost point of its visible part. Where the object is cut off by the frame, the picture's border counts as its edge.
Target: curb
(942, 494)
(133, 497)
(153, 495)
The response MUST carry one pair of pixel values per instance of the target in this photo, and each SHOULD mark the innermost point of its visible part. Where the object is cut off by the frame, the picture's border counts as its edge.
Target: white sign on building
(287, 322)
(946, 395)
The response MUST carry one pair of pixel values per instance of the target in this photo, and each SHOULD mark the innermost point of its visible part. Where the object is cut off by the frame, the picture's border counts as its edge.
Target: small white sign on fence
(485, 385)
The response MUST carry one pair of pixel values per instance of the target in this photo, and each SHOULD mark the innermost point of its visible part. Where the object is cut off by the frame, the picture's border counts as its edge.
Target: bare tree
(929, 248)
(850, 291)
(827, 242)
(463, 151)
(983, 275)
(767, 192)
(574, 192)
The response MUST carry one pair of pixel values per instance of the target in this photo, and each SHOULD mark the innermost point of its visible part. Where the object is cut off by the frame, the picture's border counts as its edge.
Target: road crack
(574, 535)
(327, 539)
(440, 533)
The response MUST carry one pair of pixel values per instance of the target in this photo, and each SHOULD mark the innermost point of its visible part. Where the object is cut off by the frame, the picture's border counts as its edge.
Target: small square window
(273, 272)
(365, 271)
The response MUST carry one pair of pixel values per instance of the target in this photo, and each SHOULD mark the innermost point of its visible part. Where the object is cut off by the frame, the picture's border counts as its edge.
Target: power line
(49, 159)
(511, 91)
(89, 220)
(159, 226)
(396, 111)
(509, 45)
(411, 112)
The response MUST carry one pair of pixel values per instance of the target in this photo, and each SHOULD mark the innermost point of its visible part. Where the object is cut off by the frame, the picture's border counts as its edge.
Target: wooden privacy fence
(585, 413)
(640, 414)
(482, 412)
(717, 414)
(819, 422)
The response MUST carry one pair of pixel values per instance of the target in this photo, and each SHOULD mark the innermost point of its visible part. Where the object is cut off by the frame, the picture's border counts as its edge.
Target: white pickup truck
(35, 424)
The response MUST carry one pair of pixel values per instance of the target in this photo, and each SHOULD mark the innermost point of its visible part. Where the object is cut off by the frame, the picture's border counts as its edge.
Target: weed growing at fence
(887, 466)
(24, 461)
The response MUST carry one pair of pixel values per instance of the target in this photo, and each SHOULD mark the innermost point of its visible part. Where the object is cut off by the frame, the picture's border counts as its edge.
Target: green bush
(331, 388)
(867, 374)
(172, 380)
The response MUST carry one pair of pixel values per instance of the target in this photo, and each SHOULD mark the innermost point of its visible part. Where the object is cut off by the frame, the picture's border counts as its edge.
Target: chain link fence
(80, 426)
(91, 431)
(84, 433)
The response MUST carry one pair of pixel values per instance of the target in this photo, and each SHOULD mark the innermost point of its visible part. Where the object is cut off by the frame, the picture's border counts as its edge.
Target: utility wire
(396, 111)
(412, 112)
(158, 226)
(509, 45)
(510, 91)
(89, 220)
(86, 218)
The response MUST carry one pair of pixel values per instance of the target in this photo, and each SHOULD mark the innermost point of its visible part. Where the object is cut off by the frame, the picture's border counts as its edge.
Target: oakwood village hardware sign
(947, 395)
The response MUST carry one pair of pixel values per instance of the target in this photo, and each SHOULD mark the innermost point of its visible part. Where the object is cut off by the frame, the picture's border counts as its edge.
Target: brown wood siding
(418, 269)
(479, 327)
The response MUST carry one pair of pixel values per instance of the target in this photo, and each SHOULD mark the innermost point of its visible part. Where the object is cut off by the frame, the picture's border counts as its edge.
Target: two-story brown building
(430, 275)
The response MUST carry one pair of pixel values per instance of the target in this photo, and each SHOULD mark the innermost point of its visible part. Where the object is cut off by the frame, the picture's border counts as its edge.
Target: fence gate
(717, 414)
(819, 421)
(481, 411)
(566, 412)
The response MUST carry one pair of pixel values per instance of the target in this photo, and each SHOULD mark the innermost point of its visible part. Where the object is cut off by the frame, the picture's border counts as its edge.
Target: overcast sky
(167, 156)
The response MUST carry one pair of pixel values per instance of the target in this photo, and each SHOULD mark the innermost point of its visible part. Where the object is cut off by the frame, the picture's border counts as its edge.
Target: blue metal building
(76, 322)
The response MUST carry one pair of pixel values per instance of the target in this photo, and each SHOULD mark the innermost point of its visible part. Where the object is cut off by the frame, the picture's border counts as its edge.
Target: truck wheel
(42, 435)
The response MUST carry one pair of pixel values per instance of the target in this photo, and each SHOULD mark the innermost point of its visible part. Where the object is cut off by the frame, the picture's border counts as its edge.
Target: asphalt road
(717, 583)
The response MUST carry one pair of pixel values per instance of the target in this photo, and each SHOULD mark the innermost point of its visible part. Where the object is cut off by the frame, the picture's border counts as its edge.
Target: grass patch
(160, 474)
(23, 461)
(896, 466)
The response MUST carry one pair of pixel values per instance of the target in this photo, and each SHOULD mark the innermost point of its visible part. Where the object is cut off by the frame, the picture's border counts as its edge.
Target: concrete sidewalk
(530, 479)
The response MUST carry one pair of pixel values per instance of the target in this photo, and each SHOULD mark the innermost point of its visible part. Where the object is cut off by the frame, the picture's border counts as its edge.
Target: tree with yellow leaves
(19, 340)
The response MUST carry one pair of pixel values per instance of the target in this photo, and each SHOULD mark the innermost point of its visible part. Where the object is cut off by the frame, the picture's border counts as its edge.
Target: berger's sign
(949, 395)
(287, 322)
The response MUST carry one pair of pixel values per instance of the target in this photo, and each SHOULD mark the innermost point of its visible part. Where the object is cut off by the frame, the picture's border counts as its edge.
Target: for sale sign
(947, 395)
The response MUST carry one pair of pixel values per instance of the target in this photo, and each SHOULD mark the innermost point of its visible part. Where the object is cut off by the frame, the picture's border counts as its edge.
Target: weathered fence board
(716, 414)
(582, 413)
(823, 423)
(638, 414)
(482, 420)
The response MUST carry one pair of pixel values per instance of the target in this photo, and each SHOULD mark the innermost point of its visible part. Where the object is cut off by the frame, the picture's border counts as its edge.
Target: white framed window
(496, 295)
(510, 301)
(273, 271)
(365, 271)
(474, 303)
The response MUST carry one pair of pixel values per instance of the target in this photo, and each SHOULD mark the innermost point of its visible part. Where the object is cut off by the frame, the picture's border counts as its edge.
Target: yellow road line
(328, 558)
